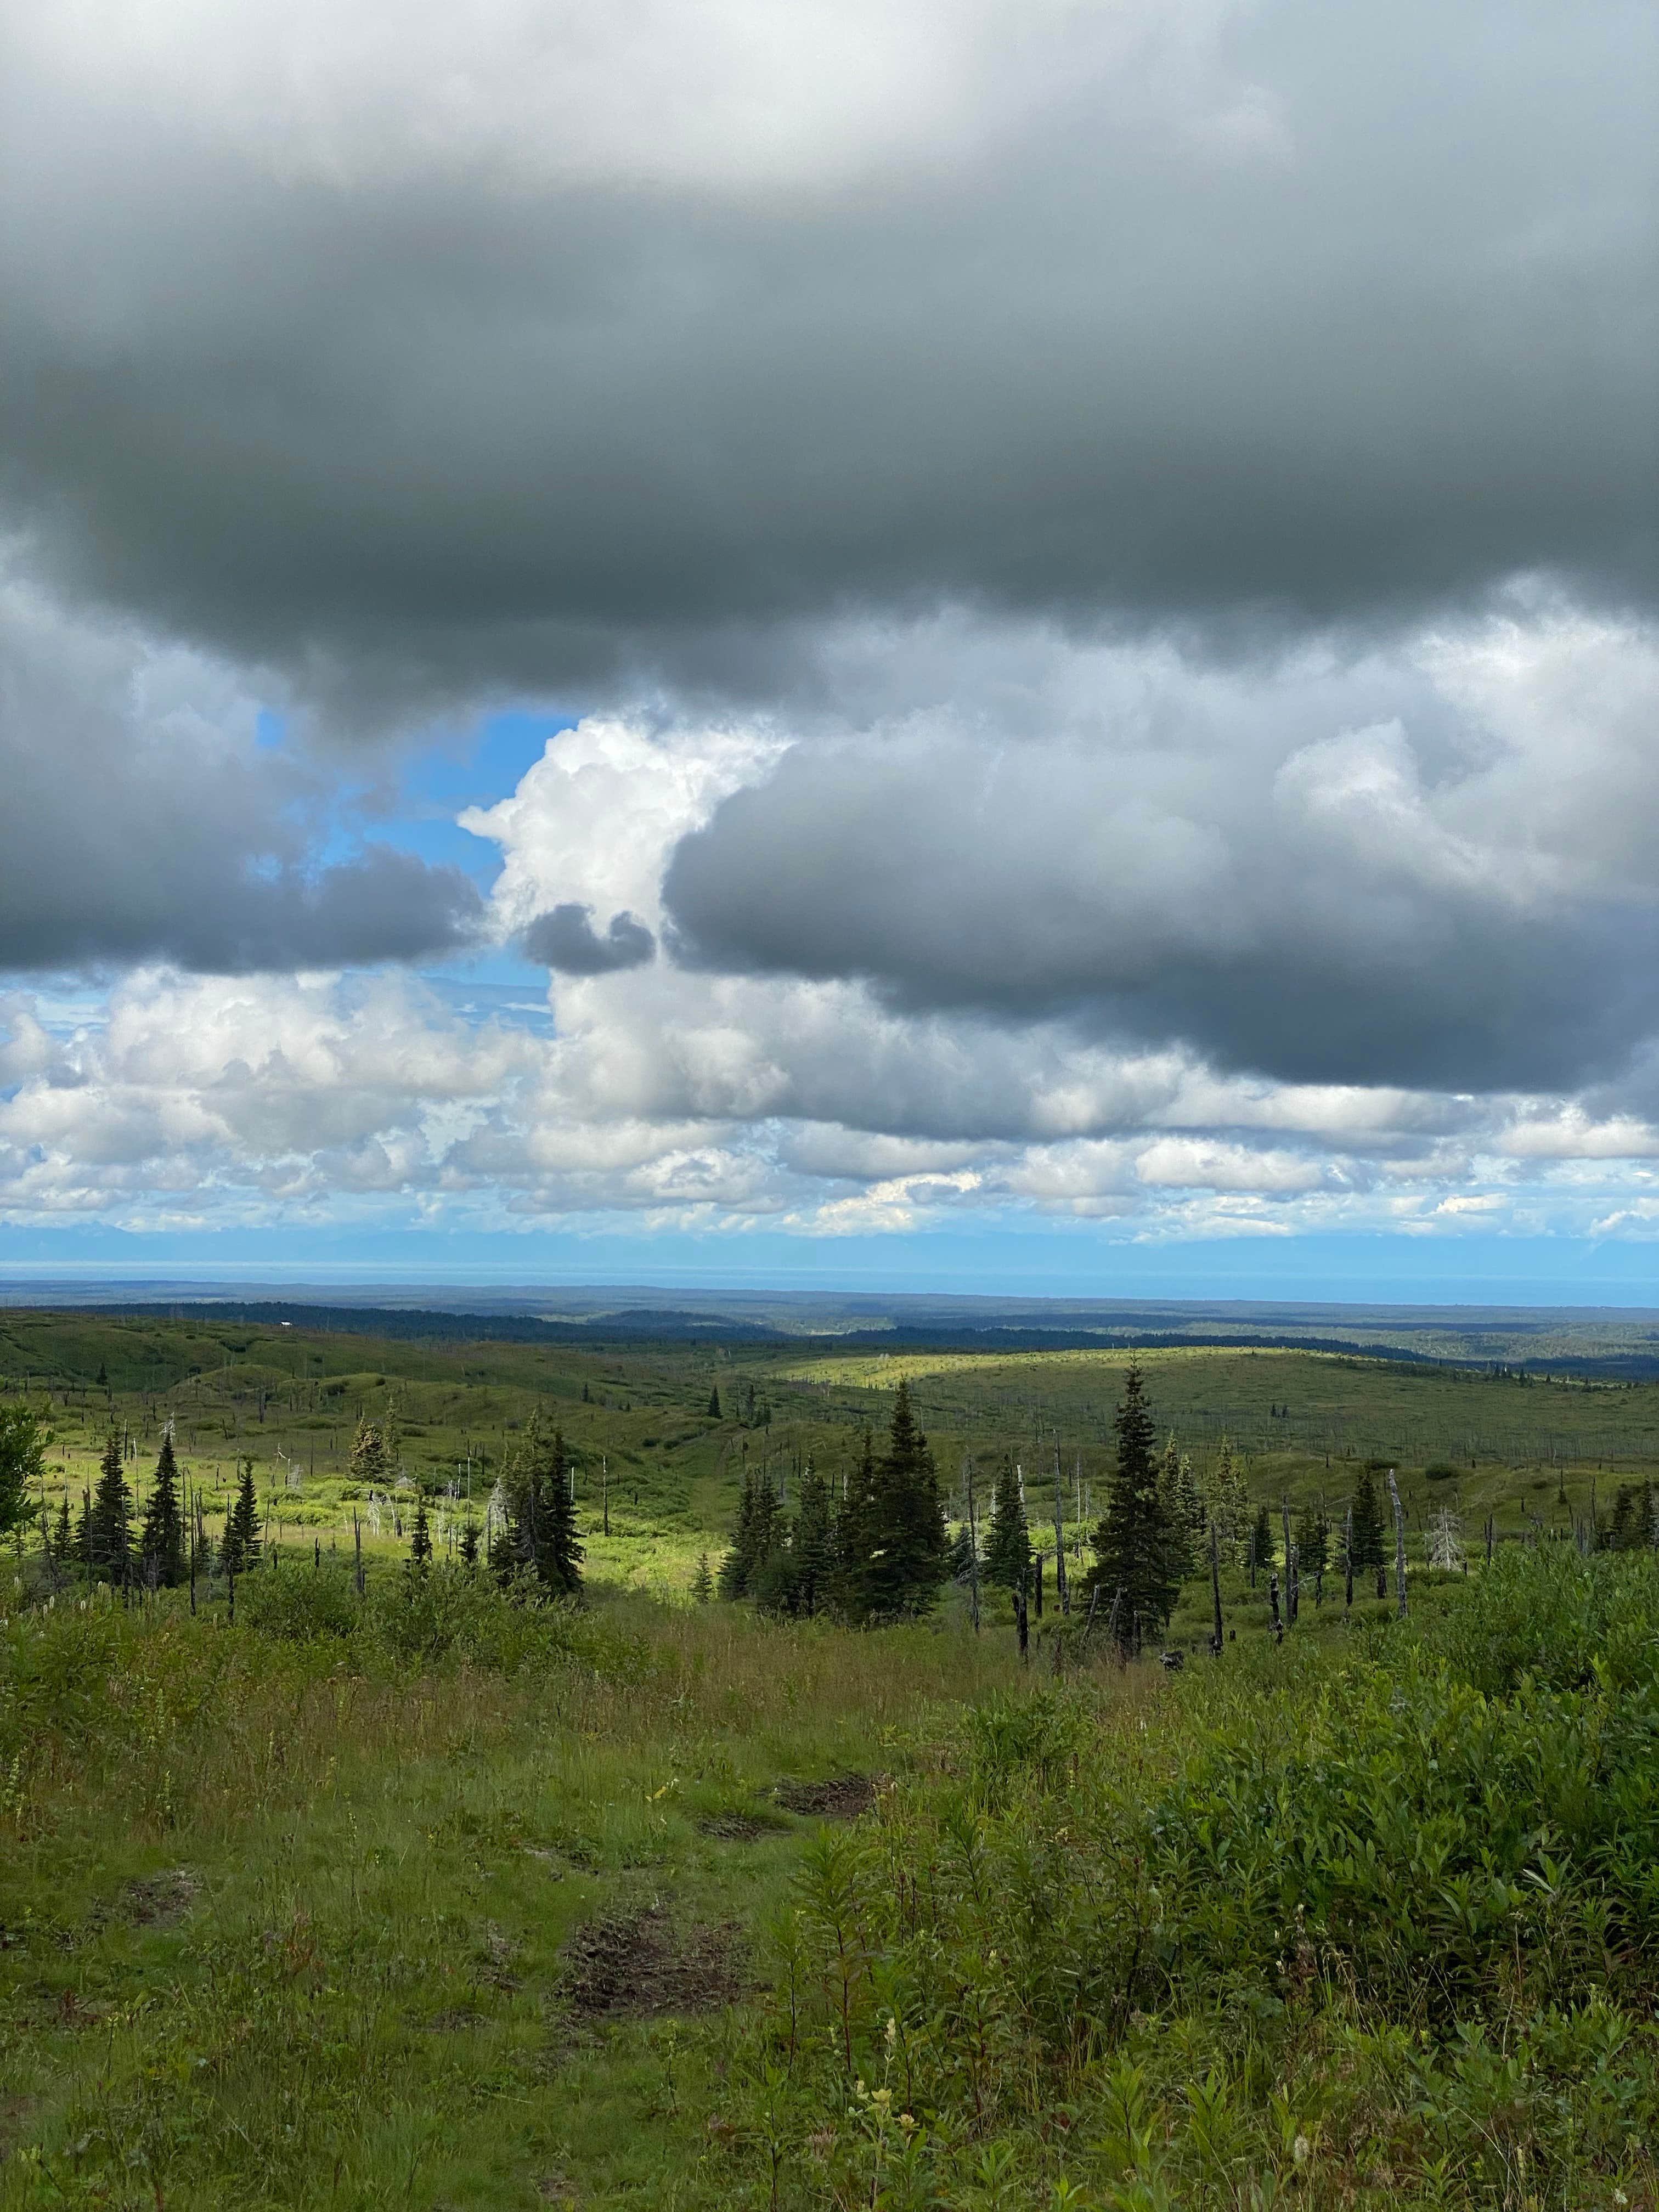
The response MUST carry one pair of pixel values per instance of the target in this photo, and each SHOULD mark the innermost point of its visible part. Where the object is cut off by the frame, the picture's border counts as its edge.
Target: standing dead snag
(1399, 1544)
(1215, 1587)
(1061, 1590)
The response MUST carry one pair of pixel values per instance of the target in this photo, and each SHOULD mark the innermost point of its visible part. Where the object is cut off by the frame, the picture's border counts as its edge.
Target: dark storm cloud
(133, 827)
(1316, 912)
(565, 940)
(1370, 332)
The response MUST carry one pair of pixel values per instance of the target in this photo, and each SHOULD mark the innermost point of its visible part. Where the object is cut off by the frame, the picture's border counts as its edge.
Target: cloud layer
(140, 819)
(500, 352)
(1098, 561)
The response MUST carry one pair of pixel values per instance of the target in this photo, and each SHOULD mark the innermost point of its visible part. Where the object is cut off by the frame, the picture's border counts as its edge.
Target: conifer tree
(1182, 1509)
(542, 1526)
(813, 1547)
(1228, 1506)
(109, 1524)
(22, 1463)
(702, 1583)
(1313, 1542)
(755, 1536)
(962, 1556)
(162, 1540)
(83, 1532)
(1261, 1541)
(1367, 1523)
(470, 1542)
(370, 1463)
(63, 1541)
(240, 1550)
(715, 1403)
(1133, 1550)
(895, 1556)
(420, 1539)
(1008, 1542)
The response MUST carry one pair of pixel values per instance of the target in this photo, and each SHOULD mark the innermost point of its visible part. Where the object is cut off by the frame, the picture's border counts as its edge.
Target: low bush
(1397, 1920)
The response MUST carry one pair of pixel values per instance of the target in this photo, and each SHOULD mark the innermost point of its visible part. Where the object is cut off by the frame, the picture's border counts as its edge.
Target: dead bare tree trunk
(973, 1545)
(1215, 1588)
(1399, 1546)
(1062, 1588)
(1347, 1563)
(1273, 1603)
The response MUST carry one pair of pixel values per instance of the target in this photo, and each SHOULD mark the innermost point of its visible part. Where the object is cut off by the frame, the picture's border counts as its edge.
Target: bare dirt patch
(740, 1827)
(636, 1966)
(162, 1900)
(842, 1798)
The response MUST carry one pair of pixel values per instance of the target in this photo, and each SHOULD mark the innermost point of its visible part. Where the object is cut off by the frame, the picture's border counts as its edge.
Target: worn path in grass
(278, 1934)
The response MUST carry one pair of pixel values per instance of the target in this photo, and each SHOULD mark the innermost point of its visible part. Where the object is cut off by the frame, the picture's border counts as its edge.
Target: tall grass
(281, 1904)
(1378, 1932)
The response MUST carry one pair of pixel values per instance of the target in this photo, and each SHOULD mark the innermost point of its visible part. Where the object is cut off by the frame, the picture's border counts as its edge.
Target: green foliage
(300, 1603)
(812, 1547)
(1368, 1927)
(161, 1539)
(109, 1524)
(1137, 1559)
(757, 1535)
(1367, 1512)
(894, 1560)
(371, 1464)
(1635, 1523)
(240, 1550)
(23, 1440)
(540, 1539)
(1008, 1545)
(1313, 1539)
(1261, 1541)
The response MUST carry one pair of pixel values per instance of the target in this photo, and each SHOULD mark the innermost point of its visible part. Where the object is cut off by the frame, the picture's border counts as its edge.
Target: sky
(926, 644)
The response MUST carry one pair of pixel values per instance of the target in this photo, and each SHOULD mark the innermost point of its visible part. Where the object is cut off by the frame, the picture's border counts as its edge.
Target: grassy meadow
(429, 1899)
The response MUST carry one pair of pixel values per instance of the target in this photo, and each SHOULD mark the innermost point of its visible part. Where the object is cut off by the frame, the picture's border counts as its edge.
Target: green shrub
(297, 1602)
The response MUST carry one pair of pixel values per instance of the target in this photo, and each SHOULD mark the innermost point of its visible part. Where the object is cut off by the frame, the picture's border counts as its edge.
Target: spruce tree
(162, 1540)
(962, 1557)
(470, 1542)
(1008, 1544)
(63, 1541)
(239, 1552)
(542, 1525)
(854, 1526)
(715, 1403)
(756, 1535)
(898, 1556)
(813, 1547)
(109, 1526)
(1313, 1541)
(22, 1463)
(420, 1539)
(1182, 1510)
(371, 1465)
(1367, 1523)
(1261, 1541)
(1228, 1506)
(1133, 1551)
(702, 1583)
